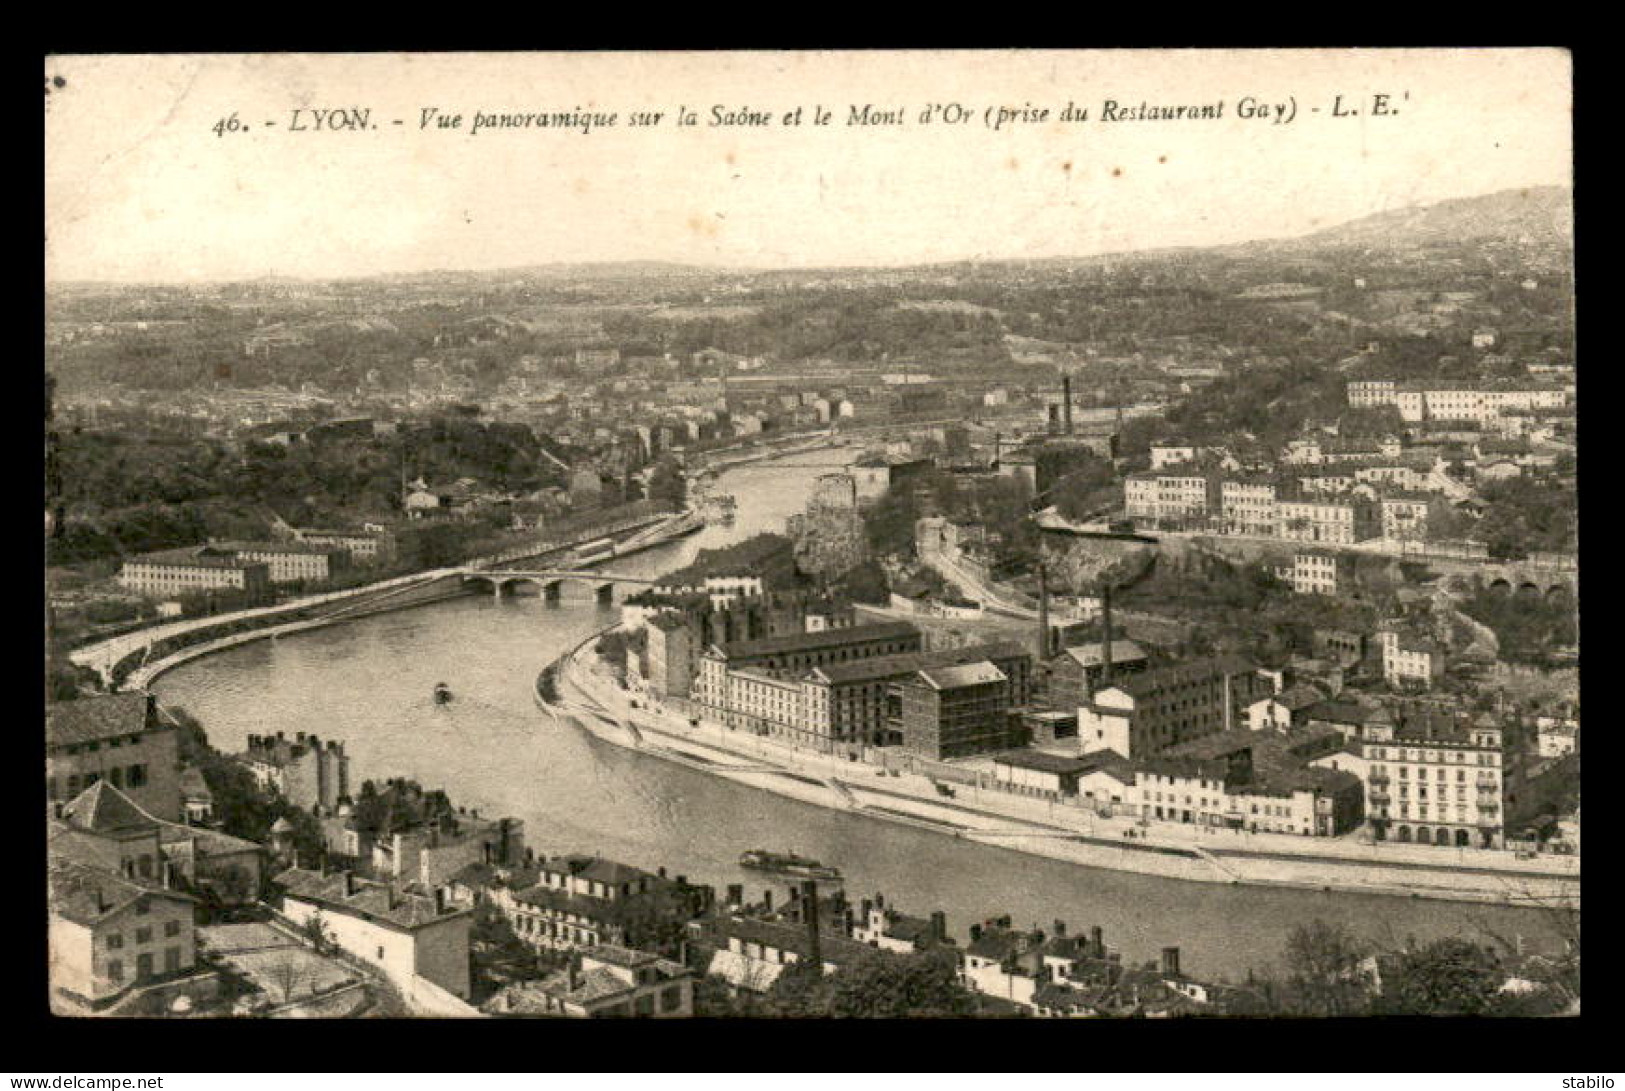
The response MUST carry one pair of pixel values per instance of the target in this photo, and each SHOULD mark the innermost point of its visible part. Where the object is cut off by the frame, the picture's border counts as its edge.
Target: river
(368, 683)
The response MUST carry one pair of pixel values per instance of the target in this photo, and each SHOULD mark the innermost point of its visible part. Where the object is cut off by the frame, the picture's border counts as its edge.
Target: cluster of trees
(1076, 480)
(1523, 516)
(1331, 972)
(618, 647)
(128, 494)
(1002, 506)
(1527, 627)
(770, 556)
(1243, 608)
(241, 806)
(924, 985)
(399, 805)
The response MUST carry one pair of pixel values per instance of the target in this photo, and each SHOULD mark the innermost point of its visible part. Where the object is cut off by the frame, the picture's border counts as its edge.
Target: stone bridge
(1549, 580)
(551, 580)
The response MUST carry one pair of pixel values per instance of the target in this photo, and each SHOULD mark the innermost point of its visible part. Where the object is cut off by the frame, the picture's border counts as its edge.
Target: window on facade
(172, 928)
(115, 941)
(143, 935)
(115, 970)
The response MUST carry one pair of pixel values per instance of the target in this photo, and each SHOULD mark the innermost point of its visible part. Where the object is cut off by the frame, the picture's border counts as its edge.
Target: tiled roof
(89, 719)
(608, 871)
(102, 808)
(1151, 681)
(1340, 712)
(1043, 762)
(790, 937)
(900, 666)
(620, 956)
(1093, 655)
(193, 557)
(969, 674)
(997, 944)
(86, 895)
(378, 901)
(828, 638)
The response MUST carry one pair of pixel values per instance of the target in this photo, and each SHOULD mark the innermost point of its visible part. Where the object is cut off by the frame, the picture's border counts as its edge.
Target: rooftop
(102, 808)
(382, 902)
(980, 673)
(1044, 762)
(1093, 655)
(1161, 678)
(828, 638)
(901, 666)
(88, 719)
(86, 895)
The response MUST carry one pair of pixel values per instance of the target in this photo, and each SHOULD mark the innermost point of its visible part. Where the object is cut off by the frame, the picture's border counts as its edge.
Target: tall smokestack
(1106, 638)
(1066, 403)
(1043, 612)
(809, 903)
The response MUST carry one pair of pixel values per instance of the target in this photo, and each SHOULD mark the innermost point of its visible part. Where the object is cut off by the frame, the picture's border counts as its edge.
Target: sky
(163, 169)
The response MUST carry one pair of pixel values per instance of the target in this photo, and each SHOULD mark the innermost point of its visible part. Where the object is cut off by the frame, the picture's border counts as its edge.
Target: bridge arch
(1501, 585)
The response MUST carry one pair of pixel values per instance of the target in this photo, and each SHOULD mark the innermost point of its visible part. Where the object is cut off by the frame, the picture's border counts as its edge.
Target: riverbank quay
(590, 697)
(112, 658)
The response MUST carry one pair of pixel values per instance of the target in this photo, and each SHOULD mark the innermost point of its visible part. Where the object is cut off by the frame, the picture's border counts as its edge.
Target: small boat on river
(442, 693)
(788, 863)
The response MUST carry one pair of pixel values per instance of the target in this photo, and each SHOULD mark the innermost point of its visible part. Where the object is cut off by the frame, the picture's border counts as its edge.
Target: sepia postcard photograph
(1020, 534)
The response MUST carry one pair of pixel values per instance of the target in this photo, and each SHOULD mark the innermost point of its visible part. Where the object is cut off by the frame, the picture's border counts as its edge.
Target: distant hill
(1540, 216)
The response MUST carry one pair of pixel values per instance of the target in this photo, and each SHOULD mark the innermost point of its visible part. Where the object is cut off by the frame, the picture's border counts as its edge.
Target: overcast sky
(140, 188)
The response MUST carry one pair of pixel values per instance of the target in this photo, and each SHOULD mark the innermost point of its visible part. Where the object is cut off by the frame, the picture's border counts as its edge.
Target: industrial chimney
(1106, 638)
(809, 902)
(1066, 403)
(1043, 613)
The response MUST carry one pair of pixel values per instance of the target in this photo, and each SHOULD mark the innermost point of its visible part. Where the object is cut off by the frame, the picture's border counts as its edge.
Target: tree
(1450, 976)
(319, 933)
(1324, 966)
(801, 991)
(923, 985)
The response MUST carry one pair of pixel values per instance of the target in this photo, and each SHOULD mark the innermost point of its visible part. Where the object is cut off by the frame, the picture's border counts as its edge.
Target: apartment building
(1332, 520)
(1371, 393)
(1410, 658)
(1249, 505)
(851, 703)
(1172, 494)
(1146, 713)
(362, 546)
(797, 653)
(1433, 780)
(107, 932)
(188, 571)
(405, 934)
(605, 982)
(955, 712)
(119, 738)
(1317, 573)
(286, 562)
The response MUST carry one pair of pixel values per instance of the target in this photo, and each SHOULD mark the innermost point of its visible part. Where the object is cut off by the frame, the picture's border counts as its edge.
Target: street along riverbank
(596, 703)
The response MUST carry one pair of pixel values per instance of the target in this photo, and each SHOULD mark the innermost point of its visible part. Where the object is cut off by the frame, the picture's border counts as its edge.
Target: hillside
(1539, 217)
